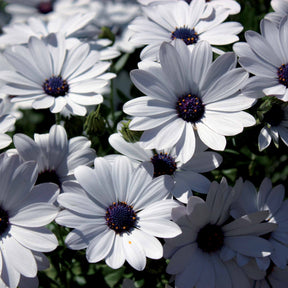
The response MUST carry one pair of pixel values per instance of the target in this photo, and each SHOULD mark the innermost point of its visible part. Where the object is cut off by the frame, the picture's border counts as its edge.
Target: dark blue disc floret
(55, 86)
(283, 74)
(163, 164)
(46, 176)
(45, 7)
(190, 108)
(189, 36)
(120, 217)
(210, 238)
(4, 221)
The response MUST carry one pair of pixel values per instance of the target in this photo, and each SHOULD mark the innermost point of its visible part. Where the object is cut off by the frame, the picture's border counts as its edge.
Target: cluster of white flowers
(152, 201)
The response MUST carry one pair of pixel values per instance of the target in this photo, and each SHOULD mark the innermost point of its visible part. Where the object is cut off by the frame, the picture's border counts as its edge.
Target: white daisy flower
(25, 210)
(55, 77)
(270, 199)
(280, 8)
(186, 176)
(231, 5)
(56, 156)
(121, 212)
(189, 94)
(19, 33)
(276, 126)
(179, 20)
(207, 251)
(265, 55)
(21, 10)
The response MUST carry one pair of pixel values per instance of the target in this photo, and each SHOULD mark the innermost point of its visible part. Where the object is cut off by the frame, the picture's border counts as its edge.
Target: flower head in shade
(271, 199)
(56, 156)
(179, 20)
(275, 277)
(232, 6)
(119, 214)
(276, 126)
(209, 250)
(56, 77)
(280, 8)
(265, 55)
(186, 176)
(24, 211)
(189, 95)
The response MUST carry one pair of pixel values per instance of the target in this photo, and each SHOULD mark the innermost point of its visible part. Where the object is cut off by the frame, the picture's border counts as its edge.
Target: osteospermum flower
(280, 8)
(204, 255)
(56, 156)
(265, 55)
(25, 210)
(22, 9)
(271, 199)
(276, 126)
(56, 77)
(19, 33)
(188, 94)
(119, 214)
(179, 20)
(231, 5)
(186, 176)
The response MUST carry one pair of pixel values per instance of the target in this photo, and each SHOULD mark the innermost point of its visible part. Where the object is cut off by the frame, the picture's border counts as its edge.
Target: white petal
(39, 239)
(35, 215)
(151, 246)
(134, 253)
(100, 246)
(19, 257)
(159, 227)
(115, 259)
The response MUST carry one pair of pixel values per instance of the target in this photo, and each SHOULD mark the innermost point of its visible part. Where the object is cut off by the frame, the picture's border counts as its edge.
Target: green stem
(57, 118)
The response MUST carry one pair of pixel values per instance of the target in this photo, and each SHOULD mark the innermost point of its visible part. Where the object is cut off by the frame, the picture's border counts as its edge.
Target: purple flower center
(190, 108)
(48, 176)
(283, 74)
(4, 221)
(163, 164)
(210, 238)
(120, 217)
(56, 86)
(45, 7)
(189, 36)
